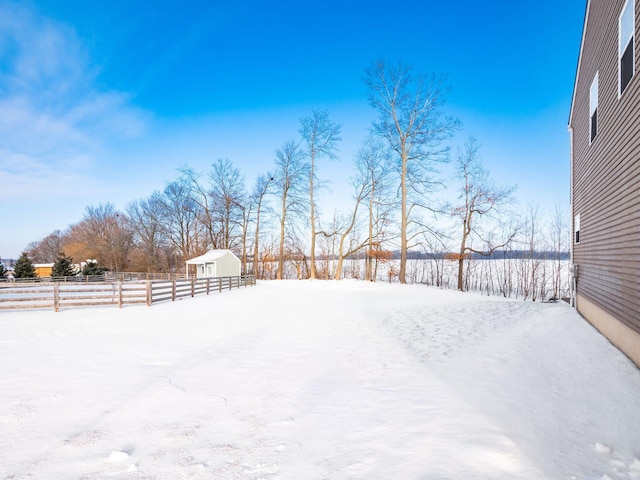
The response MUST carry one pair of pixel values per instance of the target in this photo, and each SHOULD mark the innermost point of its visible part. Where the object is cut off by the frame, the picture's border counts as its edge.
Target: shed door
(211, 269)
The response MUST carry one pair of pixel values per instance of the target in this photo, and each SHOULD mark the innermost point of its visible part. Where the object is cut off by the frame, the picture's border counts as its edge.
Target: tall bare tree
(179, 219)
(220, 200)
(145, 217)
(320, 136)
(374, 170)
(559, 241)
(106, 234)
(227, 195)
(530, 261)
(200, 194)
(260, 190)
(480, 199)
(291, 171)
(410, 120)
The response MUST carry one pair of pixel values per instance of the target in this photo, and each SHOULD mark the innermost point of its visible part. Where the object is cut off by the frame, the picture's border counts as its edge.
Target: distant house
(216, 263)
(43, 269)
(605, 173)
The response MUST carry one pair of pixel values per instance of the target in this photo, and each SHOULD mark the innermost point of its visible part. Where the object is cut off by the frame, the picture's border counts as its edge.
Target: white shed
(216, 263)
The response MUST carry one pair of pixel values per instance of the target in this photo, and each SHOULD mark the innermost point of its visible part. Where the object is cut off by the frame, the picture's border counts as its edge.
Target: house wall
(43, 270)
(606, 180)
(623, 337)
(228, 266)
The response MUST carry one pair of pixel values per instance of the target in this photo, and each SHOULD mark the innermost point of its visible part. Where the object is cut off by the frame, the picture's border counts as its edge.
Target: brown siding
(606, 173)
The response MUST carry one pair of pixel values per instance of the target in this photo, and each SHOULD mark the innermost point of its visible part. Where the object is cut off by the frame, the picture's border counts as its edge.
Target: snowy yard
(316, 380)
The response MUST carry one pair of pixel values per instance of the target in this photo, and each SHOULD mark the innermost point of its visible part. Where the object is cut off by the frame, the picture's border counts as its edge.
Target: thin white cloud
(54, 120)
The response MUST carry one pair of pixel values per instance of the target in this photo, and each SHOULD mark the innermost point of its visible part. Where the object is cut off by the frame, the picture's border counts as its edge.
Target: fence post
(173, 290)
(149, 294)
(56, 297)
(220, 284)
(208, 285)
(120, 302)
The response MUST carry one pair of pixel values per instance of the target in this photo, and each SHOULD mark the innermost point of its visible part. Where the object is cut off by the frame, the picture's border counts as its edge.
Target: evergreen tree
(23, 267)
(92, 268)
(63, 266)
(3, 271)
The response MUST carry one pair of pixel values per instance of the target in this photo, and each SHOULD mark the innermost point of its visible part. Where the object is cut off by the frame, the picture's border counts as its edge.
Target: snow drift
(316, 380)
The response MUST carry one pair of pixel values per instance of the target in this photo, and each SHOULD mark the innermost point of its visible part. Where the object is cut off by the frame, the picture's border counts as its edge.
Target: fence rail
(66, 294)
(105, 277)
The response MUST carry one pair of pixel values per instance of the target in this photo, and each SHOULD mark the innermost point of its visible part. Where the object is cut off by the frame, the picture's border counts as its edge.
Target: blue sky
(103, 101)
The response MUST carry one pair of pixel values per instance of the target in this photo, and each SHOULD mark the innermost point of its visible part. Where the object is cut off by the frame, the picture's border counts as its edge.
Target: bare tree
(344, 230)
(410, 121)
(106, 235)
(220, 202)
(200, 195)
(370, 183)
(529, 271)
(145, 217)
(47, 249)
(227, 194)
(179, 219)
(374, 170)
(260, 190)
(480, 200)
(559, 239)
(320, 136)
(291, 170)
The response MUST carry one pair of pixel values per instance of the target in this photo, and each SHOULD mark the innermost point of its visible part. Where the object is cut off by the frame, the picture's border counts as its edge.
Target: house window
(593, 108)
(626, 42)
(576, 227)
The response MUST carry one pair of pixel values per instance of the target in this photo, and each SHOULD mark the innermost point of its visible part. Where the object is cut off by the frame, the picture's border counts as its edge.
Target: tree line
(276, 227)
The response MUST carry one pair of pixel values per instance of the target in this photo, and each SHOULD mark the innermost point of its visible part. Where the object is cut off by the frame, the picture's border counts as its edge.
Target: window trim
(623, 48)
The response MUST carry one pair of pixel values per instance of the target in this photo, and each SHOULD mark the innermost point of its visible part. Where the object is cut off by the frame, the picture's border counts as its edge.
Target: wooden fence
(111, 277)
(59, 295)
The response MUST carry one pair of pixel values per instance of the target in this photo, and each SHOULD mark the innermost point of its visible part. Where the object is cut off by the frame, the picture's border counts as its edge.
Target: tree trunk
(256, 250)
(463, 248)
(461, 273)
(281, 252)
(369, 257)
(312, 273)
(403, 227)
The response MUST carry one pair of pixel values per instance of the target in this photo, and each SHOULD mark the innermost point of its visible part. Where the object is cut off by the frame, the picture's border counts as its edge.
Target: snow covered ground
(316, 380)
